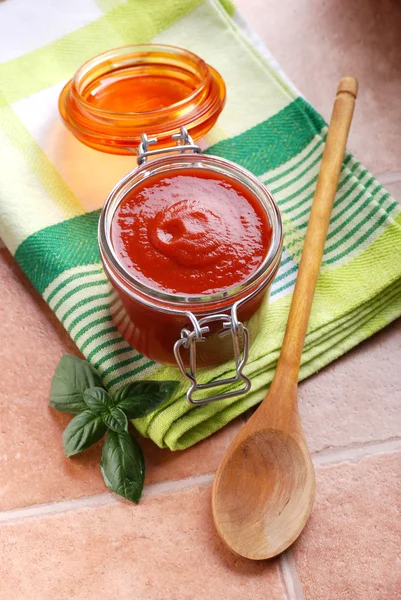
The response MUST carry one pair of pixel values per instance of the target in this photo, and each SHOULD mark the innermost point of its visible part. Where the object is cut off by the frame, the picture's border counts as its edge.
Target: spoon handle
(326, 187)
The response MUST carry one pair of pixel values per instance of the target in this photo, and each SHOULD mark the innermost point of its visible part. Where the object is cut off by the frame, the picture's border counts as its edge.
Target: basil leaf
(101, 403)
(85, 429)
(140, 398)
(97, 400)
(115, 419)
(72, 377)
(122, 465)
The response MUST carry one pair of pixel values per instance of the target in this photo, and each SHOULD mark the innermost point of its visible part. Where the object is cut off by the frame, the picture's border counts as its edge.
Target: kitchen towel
(52, 187)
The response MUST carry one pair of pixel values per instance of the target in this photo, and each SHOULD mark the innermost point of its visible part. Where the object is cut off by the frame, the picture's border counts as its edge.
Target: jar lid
(120, 94)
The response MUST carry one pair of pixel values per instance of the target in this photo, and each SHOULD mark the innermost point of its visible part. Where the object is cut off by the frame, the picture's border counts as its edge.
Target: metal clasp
(184, 143)
(189, 339)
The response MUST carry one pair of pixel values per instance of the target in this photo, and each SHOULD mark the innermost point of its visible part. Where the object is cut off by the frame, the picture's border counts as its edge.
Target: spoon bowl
(259, 520)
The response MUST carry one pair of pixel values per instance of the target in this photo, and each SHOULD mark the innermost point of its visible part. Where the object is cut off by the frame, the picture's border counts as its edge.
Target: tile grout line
(285, 588)
(389, 177)
(327, 456)
(52, 508)
(330, 456)
(176, 485)
(103, 499)
(289, 574)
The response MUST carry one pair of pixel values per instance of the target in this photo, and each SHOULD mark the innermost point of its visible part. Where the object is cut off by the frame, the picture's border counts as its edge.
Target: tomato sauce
(190, 231)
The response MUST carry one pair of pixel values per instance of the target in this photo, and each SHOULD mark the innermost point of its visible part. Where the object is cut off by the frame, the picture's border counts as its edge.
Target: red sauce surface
(190, 232)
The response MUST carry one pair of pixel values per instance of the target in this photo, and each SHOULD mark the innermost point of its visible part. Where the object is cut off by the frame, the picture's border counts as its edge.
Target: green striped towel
(52, 186)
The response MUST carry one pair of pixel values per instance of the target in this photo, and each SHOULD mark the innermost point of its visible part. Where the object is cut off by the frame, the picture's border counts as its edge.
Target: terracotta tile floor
(62, 536)
(349, 547)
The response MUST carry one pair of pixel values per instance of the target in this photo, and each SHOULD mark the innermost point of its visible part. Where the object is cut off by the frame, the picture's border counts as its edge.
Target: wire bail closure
(184, 143)
(189, 339)
(230, 324)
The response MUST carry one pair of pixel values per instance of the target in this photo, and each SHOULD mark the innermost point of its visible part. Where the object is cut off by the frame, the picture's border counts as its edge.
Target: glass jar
(188, 330)
(108, 104)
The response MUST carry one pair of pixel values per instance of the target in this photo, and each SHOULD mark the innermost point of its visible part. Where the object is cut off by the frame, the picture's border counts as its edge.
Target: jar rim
(132, 286)
(119, 132)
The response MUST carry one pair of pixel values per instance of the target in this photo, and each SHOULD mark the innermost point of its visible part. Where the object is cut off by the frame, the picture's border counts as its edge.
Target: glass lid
(120, 94)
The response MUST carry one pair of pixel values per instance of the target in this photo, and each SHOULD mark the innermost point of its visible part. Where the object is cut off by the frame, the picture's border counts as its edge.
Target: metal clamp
(184, 143)
(189, 339)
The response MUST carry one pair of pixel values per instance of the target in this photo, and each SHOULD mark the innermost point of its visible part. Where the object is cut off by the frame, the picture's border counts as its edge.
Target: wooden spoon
(264, 489)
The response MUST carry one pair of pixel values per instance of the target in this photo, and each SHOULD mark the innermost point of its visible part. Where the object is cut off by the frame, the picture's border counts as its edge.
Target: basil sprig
(77, 388)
